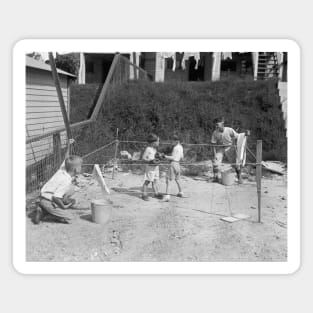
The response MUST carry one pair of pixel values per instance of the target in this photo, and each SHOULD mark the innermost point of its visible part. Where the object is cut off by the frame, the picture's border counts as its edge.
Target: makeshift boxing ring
(120, 156)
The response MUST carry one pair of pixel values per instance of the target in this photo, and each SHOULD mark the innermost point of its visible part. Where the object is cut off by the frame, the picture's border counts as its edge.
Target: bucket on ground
(101, 211)
(228, 178)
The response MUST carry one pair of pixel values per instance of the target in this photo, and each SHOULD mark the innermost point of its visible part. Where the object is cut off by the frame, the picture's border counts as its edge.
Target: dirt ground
(184, 229)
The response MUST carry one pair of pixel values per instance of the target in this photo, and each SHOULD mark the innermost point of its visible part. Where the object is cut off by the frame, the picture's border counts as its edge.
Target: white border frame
(123, 45)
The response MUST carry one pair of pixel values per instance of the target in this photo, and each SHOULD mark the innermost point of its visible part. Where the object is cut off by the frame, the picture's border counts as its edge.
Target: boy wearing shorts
(224, 138)
(174, 168)
(152, 174)
(55, 195)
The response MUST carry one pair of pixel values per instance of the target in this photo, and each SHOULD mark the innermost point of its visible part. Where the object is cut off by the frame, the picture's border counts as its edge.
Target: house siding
(43, 113)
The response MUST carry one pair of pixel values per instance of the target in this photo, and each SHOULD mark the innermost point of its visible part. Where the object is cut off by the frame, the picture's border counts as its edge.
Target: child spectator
(152, 167)
(55, 195)
(226, 137)
(174, 168)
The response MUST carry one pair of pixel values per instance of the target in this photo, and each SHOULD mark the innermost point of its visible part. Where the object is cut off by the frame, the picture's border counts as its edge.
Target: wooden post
(60, 96)
(259, 175)
(61, 100)
(115, 153)
(105, 88)
(134, 65)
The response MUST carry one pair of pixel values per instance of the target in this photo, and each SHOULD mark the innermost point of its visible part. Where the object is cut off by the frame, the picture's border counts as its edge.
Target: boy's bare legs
(180, 192)
(145, 190)
(217, 162)
(167, 196)
(167, 185)
(155, 186)
(238, 172)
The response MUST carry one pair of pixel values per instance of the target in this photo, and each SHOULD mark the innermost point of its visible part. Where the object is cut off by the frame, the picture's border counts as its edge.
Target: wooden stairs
(268, 67)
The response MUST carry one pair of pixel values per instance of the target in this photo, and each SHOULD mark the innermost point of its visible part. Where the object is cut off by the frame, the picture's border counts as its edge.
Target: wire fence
(126, 156)
(46, 152)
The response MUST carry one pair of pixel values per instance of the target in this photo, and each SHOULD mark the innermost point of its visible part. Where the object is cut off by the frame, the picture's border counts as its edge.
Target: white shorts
(152, 173)
(173, 171)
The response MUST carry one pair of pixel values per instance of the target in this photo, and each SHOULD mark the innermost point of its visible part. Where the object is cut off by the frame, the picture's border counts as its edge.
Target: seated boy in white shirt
(174, 168)
(152, 174)
(55, 195)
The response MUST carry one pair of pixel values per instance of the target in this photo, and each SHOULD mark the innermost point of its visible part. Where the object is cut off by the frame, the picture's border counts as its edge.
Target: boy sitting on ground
(55, 195)
(174, 168)
(225, 138)
(151, 168)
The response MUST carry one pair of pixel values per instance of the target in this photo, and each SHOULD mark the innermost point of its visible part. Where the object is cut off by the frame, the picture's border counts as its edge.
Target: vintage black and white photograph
(156, 156)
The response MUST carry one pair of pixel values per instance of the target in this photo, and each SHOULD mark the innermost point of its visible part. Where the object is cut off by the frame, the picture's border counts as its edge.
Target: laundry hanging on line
(226, 55)
(172, 55)
(186, 57)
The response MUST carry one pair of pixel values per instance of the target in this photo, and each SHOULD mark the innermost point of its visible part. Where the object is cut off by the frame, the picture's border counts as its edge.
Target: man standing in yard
(225, 139)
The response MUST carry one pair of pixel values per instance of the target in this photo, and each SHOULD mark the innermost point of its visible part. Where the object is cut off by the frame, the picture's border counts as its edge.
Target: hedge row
(189, 108)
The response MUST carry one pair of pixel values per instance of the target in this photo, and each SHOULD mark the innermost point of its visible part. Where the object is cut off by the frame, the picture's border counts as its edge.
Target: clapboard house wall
(43, 112)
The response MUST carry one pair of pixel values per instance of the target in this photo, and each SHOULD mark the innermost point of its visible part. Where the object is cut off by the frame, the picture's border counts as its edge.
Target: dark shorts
(51, 208)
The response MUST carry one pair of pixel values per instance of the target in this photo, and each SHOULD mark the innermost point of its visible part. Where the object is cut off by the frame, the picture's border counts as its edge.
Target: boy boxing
(174, 168)
(152, 167)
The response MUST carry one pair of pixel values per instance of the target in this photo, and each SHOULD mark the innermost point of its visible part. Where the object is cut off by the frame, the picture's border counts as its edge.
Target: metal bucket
(228, 178)
(101, 211)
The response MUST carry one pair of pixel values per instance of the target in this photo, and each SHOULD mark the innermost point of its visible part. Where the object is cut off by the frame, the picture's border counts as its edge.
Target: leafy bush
(68, 62)
(83, 100)
(189, 108)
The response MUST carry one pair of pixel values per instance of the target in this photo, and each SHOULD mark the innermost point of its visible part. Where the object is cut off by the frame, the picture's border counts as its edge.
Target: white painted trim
(216, 68)
(255, 58)
(159, 67)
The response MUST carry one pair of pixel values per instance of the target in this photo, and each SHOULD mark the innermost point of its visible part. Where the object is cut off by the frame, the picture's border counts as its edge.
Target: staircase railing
(268, 66)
